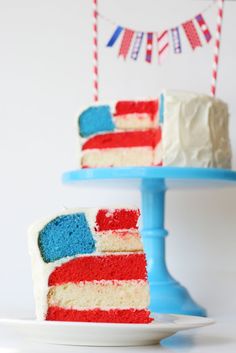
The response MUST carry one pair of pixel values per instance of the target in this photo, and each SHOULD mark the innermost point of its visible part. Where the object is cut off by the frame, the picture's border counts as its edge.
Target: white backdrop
(45, 76)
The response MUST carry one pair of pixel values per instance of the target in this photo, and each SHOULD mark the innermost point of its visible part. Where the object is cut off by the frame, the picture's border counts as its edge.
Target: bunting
(149, 47)
(137, 45)
(126, 42)
(191, 34)
(163, 45)
(162, 41)
(204, 28)
(114, 36)
(176, 40)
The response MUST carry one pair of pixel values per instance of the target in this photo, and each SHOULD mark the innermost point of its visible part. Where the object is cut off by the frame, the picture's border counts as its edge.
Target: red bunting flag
(149, 45)
(163, 45)
(204, 28)
(191, 34)
(126, 42)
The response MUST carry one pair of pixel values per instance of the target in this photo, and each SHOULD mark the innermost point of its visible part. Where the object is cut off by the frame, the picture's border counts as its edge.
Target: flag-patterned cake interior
(92, 267)
(116, 136)
(181, 129)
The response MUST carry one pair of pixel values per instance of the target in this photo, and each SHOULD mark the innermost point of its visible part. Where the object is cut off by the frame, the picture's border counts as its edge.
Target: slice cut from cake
(189, 129)
(126, 134)
(88, 265)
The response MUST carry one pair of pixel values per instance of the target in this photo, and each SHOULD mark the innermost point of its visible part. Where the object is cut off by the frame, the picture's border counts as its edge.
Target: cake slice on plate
(89, 266)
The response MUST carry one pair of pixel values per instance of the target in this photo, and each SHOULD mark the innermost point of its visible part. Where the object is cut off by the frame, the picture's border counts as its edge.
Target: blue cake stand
(167, 295)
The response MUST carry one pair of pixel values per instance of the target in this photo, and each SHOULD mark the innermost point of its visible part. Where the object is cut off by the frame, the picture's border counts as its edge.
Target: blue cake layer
(66, 235)
(96, 119)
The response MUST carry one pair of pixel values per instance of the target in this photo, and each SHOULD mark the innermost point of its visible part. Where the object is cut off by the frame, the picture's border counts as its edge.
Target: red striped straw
(217, 46)
(95, 50)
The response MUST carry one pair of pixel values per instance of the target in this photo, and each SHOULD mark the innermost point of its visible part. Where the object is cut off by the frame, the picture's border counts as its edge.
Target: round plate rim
(197, 322)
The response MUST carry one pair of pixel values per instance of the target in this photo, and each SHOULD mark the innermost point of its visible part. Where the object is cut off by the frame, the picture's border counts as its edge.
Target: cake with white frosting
(180, 129)
(89, 266)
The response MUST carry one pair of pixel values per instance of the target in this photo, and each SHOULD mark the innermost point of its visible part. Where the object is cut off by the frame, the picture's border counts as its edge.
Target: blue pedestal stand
(167, 295)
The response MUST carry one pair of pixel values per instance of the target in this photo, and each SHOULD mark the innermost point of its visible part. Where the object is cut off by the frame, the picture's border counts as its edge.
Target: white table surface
(220, 337)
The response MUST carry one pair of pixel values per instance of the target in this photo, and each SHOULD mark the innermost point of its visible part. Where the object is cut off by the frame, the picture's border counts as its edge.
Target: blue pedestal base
(171, 297)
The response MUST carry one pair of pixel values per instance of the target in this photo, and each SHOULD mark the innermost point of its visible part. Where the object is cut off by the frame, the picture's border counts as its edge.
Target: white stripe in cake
(100, 294)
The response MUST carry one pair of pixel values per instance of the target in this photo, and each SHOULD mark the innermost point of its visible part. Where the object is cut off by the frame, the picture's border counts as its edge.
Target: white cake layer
(134, 121)
(100, 294)
(121, 157)
(41, 270)
(119, 241)
(195, 131)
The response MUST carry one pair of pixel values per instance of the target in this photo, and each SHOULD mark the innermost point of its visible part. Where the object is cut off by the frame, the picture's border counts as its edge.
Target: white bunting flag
(162, 45)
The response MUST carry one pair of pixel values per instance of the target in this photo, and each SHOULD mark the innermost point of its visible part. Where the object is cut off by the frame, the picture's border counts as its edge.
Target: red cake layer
(131, 316)
(119, 219)
(130, 107)
(149, 138)
(109, 267)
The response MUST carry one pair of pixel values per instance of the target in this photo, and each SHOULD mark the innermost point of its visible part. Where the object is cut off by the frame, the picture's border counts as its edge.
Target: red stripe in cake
(131, 107)
(118, 219)
(148, 138)
(97, 315)
(97, 268)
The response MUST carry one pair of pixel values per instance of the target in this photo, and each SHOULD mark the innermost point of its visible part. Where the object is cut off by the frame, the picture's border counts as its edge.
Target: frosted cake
(180, 129)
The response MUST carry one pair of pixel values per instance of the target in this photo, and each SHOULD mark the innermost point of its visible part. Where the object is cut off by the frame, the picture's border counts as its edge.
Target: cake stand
(167, 295)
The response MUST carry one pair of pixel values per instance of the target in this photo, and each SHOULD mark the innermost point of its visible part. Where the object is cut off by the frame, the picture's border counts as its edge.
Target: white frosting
(195, 131)
(42, 270)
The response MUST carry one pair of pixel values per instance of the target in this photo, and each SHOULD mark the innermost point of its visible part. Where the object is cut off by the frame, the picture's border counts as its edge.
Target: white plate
(105, 334)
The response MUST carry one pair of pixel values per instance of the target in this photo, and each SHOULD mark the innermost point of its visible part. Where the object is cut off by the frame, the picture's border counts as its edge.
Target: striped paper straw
(217, 46)
(95, 50)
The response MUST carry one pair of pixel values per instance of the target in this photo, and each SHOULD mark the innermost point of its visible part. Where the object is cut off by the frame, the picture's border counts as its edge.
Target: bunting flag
(176, 40)
(149, 45)
(114, 36)
(204, 28)
(126, 42)
(137, 45)
(163, 45)
(191, 34)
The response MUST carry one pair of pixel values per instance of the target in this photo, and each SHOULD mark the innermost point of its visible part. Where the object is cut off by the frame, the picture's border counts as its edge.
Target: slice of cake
(89, 266)
(189, 129)
(116, 139)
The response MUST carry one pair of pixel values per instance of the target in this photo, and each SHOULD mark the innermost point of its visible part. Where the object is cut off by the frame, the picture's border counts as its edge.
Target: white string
(114, 23)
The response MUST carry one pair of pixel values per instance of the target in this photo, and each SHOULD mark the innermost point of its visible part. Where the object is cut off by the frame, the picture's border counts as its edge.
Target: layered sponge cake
(89, 266)
(179, 129)
(123, 135)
